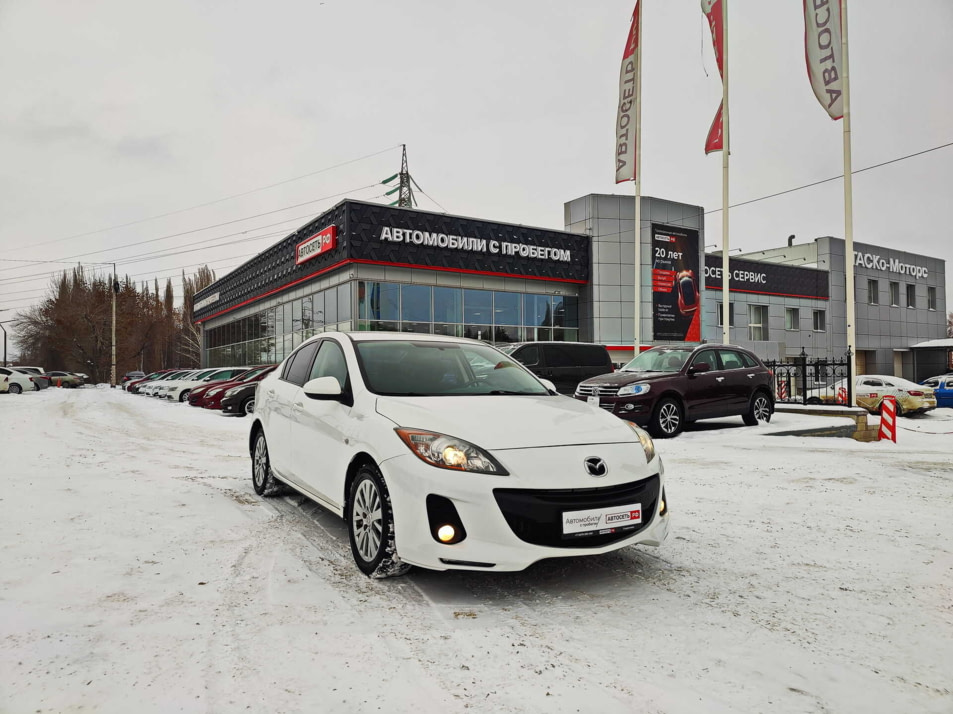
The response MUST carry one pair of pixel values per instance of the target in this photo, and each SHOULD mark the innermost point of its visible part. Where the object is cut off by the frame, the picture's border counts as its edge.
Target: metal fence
(807, 380)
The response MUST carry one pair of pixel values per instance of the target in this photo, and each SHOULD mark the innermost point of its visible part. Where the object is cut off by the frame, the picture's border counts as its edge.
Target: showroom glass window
(792, 319)
(757, 323)
(911, 295)
(820, 321)
(931, 298)
(873, 292)
(895, 294)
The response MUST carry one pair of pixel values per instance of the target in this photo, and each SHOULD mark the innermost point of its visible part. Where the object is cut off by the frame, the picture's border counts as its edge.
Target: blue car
(942, 389)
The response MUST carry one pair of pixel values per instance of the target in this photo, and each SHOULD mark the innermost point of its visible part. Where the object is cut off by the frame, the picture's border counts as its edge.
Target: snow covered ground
(140, 573)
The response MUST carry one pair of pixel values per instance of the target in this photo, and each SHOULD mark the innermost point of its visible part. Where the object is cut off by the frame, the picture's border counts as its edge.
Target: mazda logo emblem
(596, 467)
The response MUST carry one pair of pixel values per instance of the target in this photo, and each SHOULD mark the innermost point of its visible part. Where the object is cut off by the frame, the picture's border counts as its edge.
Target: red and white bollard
(782, 390)
(842, 395)
(888, 419)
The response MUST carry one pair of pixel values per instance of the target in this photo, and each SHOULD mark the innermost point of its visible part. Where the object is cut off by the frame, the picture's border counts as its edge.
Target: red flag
(712, 10)
(716, 139)
(822, 50)
(625, 120)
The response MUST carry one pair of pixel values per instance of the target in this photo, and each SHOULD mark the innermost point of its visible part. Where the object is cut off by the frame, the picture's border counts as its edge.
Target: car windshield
(437, 369)
(658, 360)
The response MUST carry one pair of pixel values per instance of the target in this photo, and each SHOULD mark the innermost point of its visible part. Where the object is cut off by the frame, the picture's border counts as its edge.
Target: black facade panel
(417, 238)
(486, 249)
(761, 278)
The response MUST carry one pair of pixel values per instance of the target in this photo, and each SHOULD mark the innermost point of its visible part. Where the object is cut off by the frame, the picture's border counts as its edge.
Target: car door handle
(270, 392)
(297, 405)
(750, 376)
(719, 379)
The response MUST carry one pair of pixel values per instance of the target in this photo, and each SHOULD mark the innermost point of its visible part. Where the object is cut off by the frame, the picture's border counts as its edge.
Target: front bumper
(514, 521)
(637, 409)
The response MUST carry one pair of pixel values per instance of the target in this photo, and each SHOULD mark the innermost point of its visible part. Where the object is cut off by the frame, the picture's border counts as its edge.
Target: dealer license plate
(602, 520)
(594, 401)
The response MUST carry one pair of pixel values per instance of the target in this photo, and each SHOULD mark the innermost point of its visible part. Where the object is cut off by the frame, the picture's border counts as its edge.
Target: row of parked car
(19, 379)
(870, 390)
(229, 389)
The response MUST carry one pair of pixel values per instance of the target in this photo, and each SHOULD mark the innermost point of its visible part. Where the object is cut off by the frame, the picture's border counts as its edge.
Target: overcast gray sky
(114, 111)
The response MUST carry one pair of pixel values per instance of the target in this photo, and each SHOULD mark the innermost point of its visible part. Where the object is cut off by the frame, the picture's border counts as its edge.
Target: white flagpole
(637, 225)
(725, 150)
(848, 209)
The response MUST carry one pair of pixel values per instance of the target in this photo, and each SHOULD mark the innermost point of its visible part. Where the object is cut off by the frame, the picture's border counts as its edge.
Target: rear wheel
(370, 526)
(16, 388)
(261, 478)
(814, 401)
(759, 410)
(667, 419)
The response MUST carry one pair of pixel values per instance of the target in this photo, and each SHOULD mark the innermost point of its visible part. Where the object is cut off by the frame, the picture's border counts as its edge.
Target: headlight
(634, 390)
(648, 446)
(213, 392)
(447, 452)
(230, 393)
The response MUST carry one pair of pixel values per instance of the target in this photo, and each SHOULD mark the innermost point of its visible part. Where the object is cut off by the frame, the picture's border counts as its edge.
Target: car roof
(399, 337)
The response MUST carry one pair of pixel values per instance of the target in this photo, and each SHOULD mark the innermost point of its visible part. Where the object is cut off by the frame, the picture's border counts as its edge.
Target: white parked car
(437, 463)
(15, 382)
(870, 390)
(178, 391)
(150, 388)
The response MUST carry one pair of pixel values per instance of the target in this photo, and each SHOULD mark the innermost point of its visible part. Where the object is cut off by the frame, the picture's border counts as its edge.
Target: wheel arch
(253, 434)
(361, 458)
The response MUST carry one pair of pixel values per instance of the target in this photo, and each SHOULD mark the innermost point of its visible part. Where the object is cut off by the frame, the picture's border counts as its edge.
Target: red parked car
(210, 396)
(132, 385)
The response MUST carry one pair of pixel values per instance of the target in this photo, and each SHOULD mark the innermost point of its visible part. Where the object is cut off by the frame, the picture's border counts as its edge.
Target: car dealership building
(364, 266)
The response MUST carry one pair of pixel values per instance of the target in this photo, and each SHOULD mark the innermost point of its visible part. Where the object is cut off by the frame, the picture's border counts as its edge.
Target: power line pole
(115, 290)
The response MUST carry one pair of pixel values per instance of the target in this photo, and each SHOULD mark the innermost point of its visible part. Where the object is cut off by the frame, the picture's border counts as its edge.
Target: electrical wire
(220, 200)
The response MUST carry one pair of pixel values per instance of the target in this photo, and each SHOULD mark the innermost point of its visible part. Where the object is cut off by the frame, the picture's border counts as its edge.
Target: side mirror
(549, 385)
(323, 388)
(698, 368)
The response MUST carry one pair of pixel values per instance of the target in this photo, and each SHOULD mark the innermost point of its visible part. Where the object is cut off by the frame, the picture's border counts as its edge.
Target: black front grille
(536, 516)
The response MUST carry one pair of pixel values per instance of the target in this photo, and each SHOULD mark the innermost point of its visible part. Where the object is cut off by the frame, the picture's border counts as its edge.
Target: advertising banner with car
(675, 293)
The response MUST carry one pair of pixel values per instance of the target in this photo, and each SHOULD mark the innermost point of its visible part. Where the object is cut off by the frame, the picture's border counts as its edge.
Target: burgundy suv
(666, 387)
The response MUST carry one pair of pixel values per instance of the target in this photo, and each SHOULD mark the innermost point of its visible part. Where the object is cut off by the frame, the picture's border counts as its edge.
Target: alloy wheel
(250, 406)
(260, 463)
(669, 418)
(762, 409)
(367, 520)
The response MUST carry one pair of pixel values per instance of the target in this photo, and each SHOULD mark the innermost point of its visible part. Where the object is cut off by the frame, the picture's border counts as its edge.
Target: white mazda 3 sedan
(444, 453)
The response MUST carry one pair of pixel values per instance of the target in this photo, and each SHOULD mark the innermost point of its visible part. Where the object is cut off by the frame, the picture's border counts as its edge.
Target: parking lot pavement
(140, 572)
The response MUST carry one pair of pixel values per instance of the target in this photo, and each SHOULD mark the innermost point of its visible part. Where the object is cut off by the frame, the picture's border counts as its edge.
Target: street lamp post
(112, 372)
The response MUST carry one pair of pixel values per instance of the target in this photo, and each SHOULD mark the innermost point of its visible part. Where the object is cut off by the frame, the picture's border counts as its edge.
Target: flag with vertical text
(715, 141)
(822, 50)
(626, 117)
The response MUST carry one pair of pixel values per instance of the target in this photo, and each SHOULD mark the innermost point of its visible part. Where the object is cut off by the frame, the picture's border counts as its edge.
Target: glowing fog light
(446, 533)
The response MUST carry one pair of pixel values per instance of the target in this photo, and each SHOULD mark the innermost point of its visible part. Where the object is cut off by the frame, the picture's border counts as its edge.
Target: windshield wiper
(497, 392)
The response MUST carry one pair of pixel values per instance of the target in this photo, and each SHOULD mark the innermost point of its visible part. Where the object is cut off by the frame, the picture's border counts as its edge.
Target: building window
(792, 318)
(820, 321)
(931, 298)
(873, 292)
(757, 322)
(911, 296)
(895, 294)
(731, 315)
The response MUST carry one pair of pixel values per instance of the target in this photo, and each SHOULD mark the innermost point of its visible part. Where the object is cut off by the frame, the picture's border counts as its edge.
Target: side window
(300, 364)
(528, 356)
(557, 356)
(706, 357)
(872, 383)
(330, 362)
(748, 360)
(5, 371)
(588, 355)
(730, 359)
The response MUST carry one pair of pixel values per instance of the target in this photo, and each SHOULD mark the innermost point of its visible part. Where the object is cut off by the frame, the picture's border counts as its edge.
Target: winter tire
(814, 401)
(370, 526)
(16, 388)
(759, 410)
(184, 397)
(248, 407)
(261, 477)
(667, 419)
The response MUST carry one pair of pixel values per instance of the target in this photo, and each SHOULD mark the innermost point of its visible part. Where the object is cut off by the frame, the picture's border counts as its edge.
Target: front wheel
(370, 526)
(184, 397)
(814, 401)
(667, 419)
(248, 407)
(759, 410)
(261, 477)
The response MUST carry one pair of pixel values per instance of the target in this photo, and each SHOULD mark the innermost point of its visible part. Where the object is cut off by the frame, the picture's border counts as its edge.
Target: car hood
(509, 422)
(617, 379)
